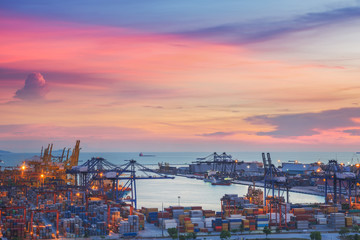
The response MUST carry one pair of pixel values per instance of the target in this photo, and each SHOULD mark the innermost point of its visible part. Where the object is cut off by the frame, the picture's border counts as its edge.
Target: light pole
(178, 225)
(42, 176)
(162, 223)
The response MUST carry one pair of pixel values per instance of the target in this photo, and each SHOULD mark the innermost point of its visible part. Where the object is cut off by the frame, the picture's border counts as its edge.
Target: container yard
(54, 197)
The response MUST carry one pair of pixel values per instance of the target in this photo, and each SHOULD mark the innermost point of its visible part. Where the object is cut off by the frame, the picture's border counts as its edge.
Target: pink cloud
(36, 131)
(306, 124)
(35, 88)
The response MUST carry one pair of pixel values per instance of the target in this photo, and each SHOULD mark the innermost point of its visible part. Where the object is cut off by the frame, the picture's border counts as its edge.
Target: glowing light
(101, 174)
(23, 167)
(42, 175)
(78, 194)
(319, 162)
(236, 161)
(296, 161)
(357, 165)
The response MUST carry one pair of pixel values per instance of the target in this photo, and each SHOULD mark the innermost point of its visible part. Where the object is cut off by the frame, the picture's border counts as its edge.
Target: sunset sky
(162, 75)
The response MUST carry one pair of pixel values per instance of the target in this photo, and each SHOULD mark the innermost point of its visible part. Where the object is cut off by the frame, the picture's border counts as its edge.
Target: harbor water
(192, 192)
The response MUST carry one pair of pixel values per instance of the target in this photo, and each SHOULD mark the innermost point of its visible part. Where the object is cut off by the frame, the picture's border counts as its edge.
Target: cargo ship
(145, 155)
(221, 181)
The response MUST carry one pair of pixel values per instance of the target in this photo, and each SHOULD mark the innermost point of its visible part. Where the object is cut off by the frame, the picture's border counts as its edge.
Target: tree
(315, 235)
(356, 237)
(278, 230)
(267, 231)
(312, 235)
(172, 233)
(355, 228)
(225, 234)
(190, 235)
(344, 232)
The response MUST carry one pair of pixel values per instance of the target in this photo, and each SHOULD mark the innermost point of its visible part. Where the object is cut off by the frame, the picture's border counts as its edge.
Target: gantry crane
(222, 163)
(99, 176)
(273, 178)
(129, 175)
(340, 180)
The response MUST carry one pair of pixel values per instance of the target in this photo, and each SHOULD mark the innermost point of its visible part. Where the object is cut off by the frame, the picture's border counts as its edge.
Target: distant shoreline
(4, 152)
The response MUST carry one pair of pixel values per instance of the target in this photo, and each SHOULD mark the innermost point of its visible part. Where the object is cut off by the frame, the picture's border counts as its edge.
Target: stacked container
(169, 223)
(141, 220)
(302, 224)
(217, 224)
(337, 220)
(262, 221)
(225, 225)
(356, 220)
(208, 213)
(235, 223)
(348, 222)
(209, 224)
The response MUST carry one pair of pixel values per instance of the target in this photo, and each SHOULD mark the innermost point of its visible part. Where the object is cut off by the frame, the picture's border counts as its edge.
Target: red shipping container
(218, 228)
(196, 208)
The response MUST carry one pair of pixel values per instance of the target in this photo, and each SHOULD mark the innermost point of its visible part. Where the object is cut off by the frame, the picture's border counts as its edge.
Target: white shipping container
(321, 221)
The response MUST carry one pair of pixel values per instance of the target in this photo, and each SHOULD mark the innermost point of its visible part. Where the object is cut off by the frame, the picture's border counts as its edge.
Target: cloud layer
(307, 124)
(35, 88)
(265, 29)
(217, 134)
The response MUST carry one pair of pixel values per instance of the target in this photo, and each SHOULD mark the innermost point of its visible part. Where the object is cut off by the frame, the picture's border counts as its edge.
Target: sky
(186, 75)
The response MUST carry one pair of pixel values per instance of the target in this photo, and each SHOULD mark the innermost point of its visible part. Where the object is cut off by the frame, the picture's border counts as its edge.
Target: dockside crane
(222, 163)
(97, 174)
(275, 179)
(340, 180)
(129, 174)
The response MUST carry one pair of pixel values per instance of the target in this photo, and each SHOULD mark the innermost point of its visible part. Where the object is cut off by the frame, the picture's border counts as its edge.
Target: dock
(310, 190)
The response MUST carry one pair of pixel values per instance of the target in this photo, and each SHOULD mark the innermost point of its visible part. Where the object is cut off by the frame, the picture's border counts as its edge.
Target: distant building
(240, 168)
(300, 168)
